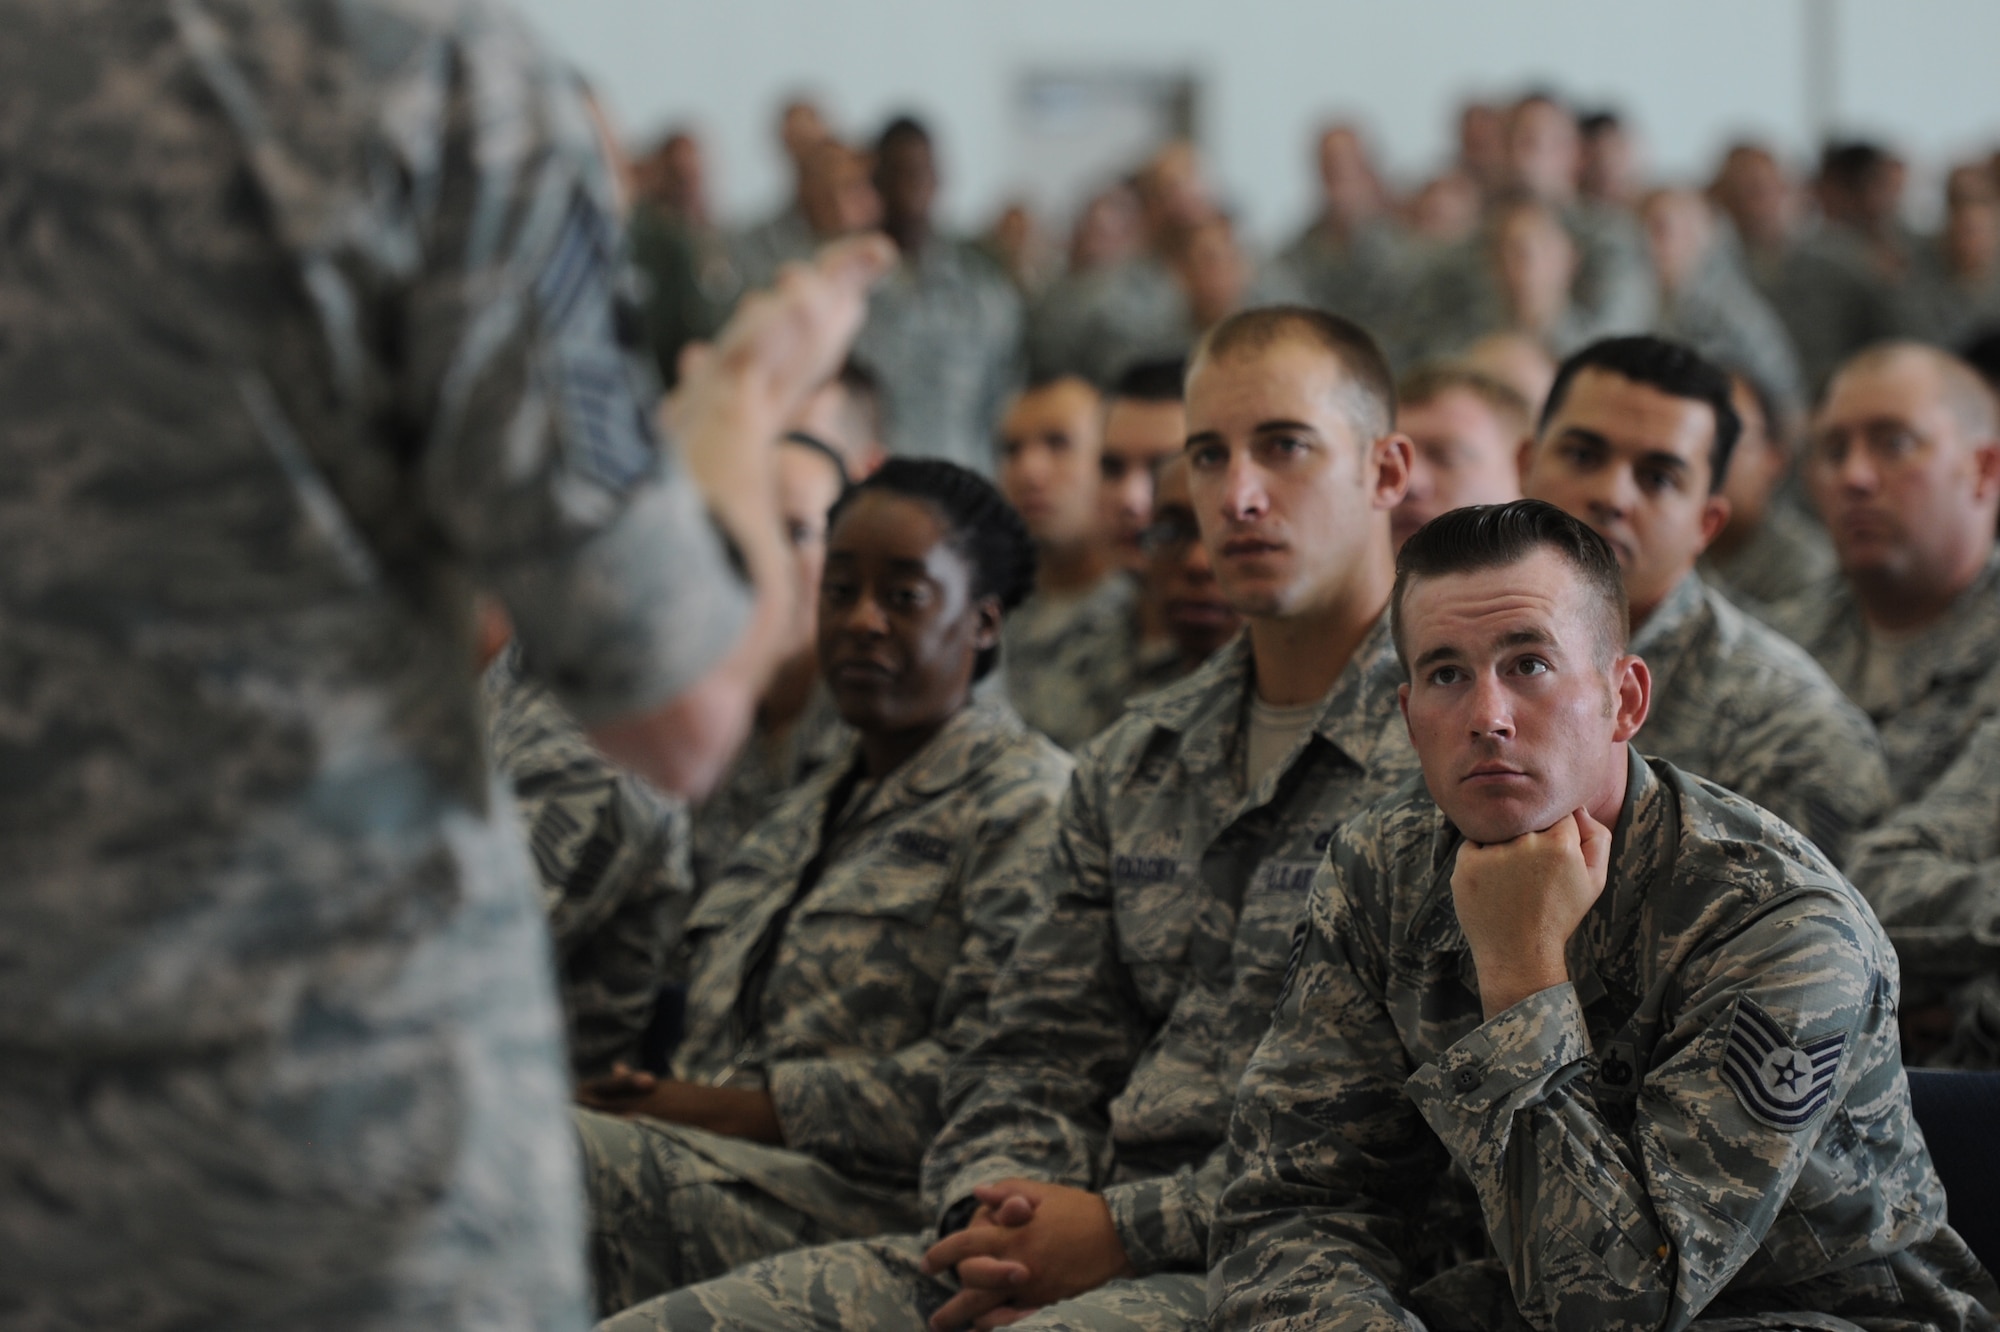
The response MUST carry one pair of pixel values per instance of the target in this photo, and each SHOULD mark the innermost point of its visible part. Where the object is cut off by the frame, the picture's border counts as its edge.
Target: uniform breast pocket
(883, 928)
(1153, 945)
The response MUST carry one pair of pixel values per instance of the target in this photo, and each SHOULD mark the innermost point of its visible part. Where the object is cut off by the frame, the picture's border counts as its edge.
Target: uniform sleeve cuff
(1144, 1213)
(1505, 1063)
(634, 615)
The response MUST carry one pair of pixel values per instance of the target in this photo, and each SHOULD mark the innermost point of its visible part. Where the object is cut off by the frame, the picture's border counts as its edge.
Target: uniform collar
(1959, 646)
(1669, 633)
(1207, 708)
(975, 736)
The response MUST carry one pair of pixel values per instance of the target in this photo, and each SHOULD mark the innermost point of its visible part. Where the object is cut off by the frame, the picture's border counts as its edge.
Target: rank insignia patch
(1782, 1082)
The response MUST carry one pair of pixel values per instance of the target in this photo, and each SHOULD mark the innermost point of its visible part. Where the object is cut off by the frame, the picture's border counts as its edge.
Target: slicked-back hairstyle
(1159, 380)
(979, 523)
(1428, 382)
(1368, 393)
(1493, 536)
(1674, 368)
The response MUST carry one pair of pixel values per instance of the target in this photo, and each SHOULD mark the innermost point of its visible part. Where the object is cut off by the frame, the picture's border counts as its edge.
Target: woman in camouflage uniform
(846, 949)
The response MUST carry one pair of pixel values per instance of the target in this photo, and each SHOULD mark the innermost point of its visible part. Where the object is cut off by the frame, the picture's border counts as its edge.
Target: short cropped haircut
(1492, 536)
(1432, 380)
(1674, 368)
(1967, 395)
(1159, 380)
(1368, 394)
(985, 530)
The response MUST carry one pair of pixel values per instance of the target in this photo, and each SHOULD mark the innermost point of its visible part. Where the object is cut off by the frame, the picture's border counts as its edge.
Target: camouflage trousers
(876, 1286)
(671, 1205)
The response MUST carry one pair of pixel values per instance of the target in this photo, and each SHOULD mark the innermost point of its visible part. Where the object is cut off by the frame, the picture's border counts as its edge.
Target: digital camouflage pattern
(1100, 322)
(1709, 1124)
(1455, 297)
(1366, 278)
(611, 856)
(1822, 289)
(1788, 554)
(306, 328)
(1944, 697)
(1721, 315)
(769, 768)
(1746, 708)
(1071, 662)
(1126, 1013)
(879, 974)
(760, 251)
(1932, 873)
(878, 1285)
(943, 336)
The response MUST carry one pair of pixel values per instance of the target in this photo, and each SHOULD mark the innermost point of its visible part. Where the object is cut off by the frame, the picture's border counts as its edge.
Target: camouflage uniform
(1070, 661)
(944, 337)
(308, 328)
(1934, 304)
(688, 279)
(1738, 704)
(1366, 279)
(1924, 727)
(1787, 554)
(1630, 1149)
(1126, 1014)
(1099, 323)
(873, 978)
(763, 774)
(1456, 297)
(758, 252)
(611, 857)
(1932, 873)
(1720, 315)
(1823, 292)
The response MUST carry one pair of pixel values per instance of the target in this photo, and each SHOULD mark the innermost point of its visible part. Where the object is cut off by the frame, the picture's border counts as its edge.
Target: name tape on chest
(1781, 1081)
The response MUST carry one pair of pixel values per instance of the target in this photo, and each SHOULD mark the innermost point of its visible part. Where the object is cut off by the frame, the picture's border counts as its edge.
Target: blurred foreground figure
(278, 1046)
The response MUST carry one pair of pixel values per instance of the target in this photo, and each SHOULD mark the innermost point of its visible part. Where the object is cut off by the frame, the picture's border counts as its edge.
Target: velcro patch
(1142, 870)
(1782, 1082)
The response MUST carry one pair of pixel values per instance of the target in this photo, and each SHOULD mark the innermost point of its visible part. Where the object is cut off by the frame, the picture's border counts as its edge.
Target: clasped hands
(1519, 901)
(1028, 1244)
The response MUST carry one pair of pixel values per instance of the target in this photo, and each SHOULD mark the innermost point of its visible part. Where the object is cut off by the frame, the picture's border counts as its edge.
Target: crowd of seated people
(1488, 635)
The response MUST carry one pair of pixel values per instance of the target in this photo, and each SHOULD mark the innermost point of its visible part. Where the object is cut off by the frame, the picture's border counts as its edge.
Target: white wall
(1690, 73)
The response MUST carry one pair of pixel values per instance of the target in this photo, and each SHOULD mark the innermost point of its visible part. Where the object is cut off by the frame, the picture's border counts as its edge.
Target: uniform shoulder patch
(1782, 1081)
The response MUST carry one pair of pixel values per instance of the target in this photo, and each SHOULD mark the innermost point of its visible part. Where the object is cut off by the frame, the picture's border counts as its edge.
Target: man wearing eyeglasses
(1904, 465)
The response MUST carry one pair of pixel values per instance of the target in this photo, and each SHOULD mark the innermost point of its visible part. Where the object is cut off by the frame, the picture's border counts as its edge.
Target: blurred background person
(1467, 431)
(1707, 303)
(1952, 291)
(1816, 281)
(1770, 549)
(943, 334)
(1351, 259)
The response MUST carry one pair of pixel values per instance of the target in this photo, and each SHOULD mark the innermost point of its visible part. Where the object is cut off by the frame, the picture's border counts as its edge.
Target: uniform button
(1465, 1079)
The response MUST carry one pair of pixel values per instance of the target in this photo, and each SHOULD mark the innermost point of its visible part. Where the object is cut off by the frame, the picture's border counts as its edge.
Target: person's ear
(1632, 696)
(986, 624)
(1986, 470)
(1524, 458)
(1395, 454)
(1714, 517)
